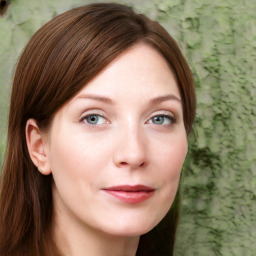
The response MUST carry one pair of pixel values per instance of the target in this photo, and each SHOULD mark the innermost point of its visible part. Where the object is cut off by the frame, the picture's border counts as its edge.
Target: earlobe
(36, 147)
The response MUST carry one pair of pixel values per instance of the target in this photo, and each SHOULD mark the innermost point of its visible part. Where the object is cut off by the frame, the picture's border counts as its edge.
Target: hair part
(62, 57)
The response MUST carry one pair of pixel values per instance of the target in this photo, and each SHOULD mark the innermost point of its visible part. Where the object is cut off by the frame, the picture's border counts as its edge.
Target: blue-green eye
(94, 119)
(162, 120)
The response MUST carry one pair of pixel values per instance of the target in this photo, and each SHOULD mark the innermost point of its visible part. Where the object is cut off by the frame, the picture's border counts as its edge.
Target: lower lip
(131, 197)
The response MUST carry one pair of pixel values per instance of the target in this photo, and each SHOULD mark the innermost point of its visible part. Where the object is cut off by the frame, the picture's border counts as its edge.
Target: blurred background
(219, 176)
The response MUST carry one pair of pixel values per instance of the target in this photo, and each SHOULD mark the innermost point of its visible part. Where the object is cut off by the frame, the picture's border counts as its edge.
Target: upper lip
(130, 188)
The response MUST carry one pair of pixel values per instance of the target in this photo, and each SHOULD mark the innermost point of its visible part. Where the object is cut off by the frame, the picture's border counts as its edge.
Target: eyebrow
(156, 100)
(160, 99)
(97, 98)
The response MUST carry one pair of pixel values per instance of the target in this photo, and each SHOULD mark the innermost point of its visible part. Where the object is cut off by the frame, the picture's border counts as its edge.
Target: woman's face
(116, 149)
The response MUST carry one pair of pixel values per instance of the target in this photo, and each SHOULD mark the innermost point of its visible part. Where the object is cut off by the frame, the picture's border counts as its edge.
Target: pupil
(158, 119)
(93, 119)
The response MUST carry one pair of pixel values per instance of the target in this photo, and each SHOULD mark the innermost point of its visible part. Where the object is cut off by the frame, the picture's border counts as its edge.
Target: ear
(37, 147)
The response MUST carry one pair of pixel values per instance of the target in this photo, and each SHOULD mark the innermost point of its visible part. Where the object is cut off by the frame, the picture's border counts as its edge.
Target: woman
(101, 107)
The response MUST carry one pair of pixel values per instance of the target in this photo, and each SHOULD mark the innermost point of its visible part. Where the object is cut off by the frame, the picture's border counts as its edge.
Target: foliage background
(219, 178)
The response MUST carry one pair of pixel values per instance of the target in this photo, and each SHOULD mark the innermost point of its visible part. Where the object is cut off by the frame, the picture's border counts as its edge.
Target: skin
(138, 137)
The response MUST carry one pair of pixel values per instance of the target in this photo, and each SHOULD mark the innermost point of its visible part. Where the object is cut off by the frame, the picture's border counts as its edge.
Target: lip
(130, 194)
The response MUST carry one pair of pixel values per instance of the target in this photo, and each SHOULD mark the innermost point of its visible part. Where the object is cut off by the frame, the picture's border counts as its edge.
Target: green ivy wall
(219, 177)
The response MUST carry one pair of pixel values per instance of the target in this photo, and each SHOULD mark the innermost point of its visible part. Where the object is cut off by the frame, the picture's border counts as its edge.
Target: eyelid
(92, 111)
(163, 113)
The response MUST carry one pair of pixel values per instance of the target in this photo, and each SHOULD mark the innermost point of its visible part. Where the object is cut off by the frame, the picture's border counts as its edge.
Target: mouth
(130, 194)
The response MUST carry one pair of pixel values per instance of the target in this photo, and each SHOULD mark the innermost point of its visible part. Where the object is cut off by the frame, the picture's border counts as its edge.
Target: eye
(162, 120)
(94, 119)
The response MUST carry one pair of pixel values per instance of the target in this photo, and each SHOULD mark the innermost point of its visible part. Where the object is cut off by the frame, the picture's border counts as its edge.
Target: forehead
(140, 69)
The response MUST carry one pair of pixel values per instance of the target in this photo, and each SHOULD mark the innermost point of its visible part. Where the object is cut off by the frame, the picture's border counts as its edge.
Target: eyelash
(82, 120)
(171, 118)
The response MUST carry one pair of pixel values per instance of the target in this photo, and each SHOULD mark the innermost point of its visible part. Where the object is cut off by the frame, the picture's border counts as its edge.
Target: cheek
(77, 157)
(76, 169)
(65, 156)
(171, 161)
(173, 155)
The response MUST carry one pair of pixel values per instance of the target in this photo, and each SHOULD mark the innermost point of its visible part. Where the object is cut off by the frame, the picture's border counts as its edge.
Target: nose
(130, 149)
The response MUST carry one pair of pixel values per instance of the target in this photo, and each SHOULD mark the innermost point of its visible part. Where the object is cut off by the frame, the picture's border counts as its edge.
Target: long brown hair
(63, 56)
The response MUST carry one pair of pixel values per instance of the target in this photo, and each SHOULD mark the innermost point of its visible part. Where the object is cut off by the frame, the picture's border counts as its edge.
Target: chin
(131, 222)
(133, 228)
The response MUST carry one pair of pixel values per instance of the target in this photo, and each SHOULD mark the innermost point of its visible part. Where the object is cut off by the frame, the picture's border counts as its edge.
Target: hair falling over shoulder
(84, 40)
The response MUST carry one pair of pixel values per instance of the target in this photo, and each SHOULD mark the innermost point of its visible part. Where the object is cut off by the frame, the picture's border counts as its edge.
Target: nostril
(142, 164)
(133, 164)
(3, 6)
